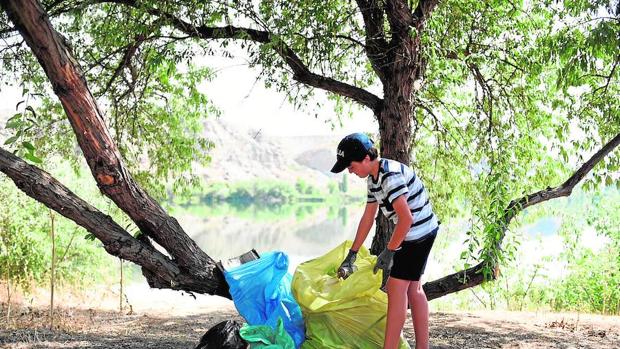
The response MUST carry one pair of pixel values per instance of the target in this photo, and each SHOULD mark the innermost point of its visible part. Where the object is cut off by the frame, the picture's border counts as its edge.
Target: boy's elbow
(406, 219)
(409, 221)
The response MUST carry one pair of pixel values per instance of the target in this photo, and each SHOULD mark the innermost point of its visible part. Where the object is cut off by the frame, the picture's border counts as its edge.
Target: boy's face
(360, 168)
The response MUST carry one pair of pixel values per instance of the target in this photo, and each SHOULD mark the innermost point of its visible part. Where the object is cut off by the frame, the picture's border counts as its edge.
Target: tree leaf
(33, 158)
(11, 140)
(15, 123)
(29, 146)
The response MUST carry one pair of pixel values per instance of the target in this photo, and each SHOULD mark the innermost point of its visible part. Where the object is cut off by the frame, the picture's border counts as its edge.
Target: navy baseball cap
(353, 147)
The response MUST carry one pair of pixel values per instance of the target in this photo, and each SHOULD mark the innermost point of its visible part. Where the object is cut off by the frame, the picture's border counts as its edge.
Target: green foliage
(582, 277)
(513, 102)
(592, 285)
(485, 97)
(585, 48)
(488, 227)
(305, 188)
(21, 258)
(499, 77)
(263, 192)
(332, 187)
(327, 36)
(146, 85)
(593, 280)
(21, 124)
(252, 211)
(25, 239)
(247, 193)
(23, 231)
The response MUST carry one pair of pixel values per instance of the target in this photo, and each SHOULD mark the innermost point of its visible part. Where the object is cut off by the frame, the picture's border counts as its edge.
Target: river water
(307, 232)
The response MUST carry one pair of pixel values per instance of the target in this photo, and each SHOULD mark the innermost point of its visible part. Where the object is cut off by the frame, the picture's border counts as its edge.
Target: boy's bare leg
(397, 311)
(419, 314)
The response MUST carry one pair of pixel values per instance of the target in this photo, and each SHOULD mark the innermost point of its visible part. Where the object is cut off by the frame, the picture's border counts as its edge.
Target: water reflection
(305, 231)
(302, 231)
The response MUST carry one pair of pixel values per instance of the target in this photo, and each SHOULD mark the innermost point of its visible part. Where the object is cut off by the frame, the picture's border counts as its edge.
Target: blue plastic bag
(261, 291)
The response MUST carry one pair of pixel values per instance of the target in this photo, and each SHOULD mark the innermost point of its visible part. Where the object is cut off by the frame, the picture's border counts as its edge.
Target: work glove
(348, 267)
(385, 260)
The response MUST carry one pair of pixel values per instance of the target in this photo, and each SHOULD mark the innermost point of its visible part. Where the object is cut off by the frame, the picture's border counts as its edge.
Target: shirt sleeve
(395, 186)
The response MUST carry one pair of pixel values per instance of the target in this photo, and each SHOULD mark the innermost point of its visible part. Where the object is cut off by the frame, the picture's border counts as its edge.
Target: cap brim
(340, 165)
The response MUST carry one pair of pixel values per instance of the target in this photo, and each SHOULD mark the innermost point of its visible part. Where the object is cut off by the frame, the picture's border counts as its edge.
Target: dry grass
(89, 328)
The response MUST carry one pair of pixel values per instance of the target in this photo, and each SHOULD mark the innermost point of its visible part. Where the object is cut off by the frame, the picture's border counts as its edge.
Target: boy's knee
(416, 291)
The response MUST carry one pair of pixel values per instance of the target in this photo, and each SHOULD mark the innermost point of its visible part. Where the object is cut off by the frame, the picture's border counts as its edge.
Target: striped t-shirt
(396, 179)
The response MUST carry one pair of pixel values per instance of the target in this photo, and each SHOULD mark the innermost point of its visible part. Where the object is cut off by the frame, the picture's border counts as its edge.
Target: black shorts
(410, 258)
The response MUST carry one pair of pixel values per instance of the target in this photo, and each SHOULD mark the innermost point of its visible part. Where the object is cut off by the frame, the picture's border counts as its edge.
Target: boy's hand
(385, 260)
(347, 267)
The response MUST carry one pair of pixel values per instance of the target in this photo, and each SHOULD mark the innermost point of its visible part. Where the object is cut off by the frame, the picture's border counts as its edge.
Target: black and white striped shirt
(396, 179)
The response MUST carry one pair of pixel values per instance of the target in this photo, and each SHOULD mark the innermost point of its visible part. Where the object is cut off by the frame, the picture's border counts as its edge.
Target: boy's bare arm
(366, 222)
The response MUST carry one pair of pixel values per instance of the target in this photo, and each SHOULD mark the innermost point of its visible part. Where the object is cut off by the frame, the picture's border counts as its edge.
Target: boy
(400, 194)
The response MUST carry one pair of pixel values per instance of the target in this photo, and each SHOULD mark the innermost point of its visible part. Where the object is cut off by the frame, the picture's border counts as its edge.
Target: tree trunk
(395, 134)
(396, 116)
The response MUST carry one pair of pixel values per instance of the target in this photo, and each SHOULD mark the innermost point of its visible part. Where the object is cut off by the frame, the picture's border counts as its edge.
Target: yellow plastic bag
(341, 313)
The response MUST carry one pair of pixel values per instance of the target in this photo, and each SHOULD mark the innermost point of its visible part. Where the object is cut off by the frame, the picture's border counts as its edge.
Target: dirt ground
(28, 327)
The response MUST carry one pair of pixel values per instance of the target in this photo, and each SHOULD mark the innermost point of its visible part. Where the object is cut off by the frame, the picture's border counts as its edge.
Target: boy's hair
(373, 153)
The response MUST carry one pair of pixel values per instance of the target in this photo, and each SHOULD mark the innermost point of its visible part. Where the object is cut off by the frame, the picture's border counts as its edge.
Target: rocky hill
(249, 154)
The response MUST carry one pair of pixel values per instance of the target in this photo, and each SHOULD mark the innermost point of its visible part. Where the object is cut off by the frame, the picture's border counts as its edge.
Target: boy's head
(353, 147)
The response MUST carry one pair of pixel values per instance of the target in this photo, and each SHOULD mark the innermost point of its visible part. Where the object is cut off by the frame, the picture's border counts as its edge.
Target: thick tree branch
(376, 43)
(474, 276)
(566, 188)
(424, 9)
(301, 72)
(158, 268)
(400, 17)
(42, 187)
(458, 281)
(101, 153)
